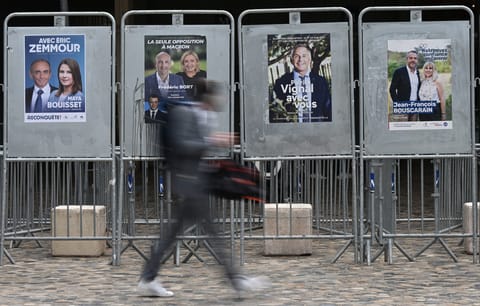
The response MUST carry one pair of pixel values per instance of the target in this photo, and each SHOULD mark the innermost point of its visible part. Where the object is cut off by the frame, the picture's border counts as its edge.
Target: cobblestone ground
(434, 278)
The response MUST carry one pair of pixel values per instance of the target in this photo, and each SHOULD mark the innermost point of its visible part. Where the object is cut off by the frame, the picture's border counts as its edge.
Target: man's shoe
(245, 283)
(152, 288)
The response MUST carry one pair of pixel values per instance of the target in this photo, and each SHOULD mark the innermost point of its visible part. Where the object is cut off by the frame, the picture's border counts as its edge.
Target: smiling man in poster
(304, 95)
(405, 85)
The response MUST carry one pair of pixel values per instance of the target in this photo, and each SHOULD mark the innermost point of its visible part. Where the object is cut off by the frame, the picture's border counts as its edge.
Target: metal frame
(367, 240)
(59, 20)
(295, 18)
(177, 19)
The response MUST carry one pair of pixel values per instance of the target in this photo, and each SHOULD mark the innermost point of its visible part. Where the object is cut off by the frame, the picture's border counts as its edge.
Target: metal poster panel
(417, 92)
(297, 98)
(425, 101)
(301, 91)
(72, 114)
(162, 65)
(54, 69)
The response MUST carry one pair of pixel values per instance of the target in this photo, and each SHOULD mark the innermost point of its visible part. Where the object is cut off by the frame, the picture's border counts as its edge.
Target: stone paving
(434, 278)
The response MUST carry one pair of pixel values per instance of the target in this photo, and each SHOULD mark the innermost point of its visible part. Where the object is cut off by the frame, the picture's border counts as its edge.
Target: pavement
(38, 278)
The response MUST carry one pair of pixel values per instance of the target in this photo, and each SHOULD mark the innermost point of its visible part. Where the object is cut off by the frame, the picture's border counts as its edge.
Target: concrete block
(468, 225)
(76, 221)
(288, 219)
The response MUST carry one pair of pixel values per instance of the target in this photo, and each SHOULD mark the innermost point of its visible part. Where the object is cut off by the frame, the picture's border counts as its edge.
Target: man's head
(40, 72)
(153, 101)
(412, 59)
(163, 62)
(301, 59)
(211, 94)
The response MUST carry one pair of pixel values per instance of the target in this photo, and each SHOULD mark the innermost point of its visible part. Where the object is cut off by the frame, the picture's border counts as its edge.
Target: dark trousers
(435, 116)
(193, 207)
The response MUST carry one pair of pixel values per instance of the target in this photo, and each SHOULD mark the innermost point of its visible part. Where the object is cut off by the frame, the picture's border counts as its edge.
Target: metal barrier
(326, 184)
(415, 206)
(404, 201)
(36, 189)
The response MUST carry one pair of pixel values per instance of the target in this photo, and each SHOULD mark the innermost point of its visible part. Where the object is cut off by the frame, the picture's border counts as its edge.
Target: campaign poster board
(75, 115)
(146, 51)
(274, 103)
(417, 122)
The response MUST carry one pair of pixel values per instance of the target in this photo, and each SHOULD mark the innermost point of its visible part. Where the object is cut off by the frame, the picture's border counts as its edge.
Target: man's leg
(158, 249)
(148, 286)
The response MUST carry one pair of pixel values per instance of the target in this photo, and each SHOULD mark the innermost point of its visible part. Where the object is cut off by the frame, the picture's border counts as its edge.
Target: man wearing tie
(153, 114)
(304, 95)
(163, 83)
(37, 95)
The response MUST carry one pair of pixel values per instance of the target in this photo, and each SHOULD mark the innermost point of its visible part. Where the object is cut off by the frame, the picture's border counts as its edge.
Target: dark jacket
(157, 119)
(320, 94)
(400, 86)
(176, 90)
(185, 141)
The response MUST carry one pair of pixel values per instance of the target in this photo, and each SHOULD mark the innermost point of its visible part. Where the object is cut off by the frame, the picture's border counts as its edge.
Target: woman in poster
(432, 90)
(69, 96)
(191, 72)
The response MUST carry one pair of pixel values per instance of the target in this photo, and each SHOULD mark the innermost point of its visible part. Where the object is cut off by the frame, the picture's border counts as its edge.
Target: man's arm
(150, 85)
(28, 98)
(394, 85)
(321, 95)
(279, 88)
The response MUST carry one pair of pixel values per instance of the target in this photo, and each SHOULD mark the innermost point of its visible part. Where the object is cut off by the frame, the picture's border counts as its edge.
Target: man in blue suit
(166, 85)
(304, 95)
(406, 82)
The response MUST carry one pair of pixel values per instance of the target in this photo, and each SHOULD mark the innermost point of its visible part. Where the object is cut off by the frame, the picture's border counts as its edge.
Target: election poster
(419, 84)
(173, 64)
(299, 78)
(55, 78)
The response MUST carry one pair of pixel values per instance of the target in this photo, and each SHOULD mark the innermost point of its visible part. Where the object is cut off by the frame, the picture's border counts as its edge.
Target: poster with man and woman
(55, 78)
(172, 66)
(419, 84)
